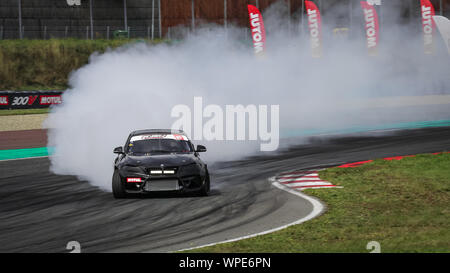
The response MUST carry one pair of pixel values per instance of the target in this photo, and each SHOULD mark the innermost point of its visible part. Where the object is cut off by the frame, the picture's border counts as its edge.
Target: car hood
(169, 160)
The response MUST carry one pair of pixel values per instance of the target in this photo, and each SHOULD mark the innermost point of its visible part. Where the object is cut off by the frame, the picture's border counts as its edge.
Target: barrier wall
(29, 99)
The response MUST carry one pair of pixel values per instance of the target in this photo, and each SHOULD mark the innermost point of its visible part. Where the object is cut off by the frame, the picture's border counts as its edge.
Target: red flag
(372, 27)
(315, 28)
(257, 30)
(428, 25)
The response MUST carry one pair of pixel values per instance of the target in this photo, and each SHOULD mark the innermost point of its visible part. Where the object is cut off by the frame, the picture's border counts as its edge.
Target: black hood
(169, 160)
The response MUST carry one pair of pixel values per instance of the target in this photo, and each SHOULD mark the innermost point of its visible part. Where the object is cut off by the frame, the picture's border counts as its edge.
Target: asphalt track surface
(42, 212)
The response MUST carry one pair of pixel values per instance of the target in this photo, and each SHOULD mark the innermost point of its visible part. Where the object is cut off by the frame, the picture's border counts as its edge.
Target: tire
(204, 191)
(117, 186)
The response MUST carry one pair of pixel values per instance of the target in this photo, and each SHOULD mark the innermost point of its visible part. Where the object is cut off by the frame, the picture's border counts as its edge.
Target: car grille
(161, 172)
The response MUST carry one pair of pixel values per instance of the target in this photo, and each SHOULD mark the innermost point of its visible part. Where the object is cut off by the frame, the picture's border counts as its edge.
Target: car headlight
(190, 169)
(132, 169)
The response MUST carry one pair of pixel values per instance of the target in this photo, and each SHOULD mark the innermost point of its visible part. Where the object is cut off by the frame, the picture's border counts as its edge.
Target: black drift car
(159, 160)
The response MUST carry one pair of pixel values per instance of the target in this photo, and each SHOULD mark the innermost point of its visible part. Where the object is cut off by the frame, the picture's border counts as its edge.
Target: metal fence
(83, 19)
(159, 24)
(80, 32)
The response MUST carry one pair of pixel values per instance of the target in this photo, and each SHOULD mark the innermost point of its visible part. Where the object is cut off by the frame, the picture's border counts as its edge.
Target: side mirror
(200, 149)
(118, 150)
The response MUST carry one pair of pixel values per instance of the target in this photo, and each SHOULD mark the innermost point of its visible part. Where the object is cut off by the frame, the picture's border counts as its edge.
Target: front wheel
(204, 191)
(117, 186)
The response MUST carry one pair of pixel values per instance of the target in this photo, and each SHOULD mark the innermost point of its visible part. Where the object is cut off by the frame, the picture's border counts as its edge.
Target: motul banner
(257, 30)
(315, 28)
(443, 25)
(372, 27)
(29, 99)
(428, 25)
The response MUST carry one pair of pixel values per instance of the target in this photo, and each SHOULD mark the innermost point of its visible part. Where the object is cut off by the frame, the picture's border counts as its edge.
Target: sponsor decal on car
(4, 100)
(134, 180)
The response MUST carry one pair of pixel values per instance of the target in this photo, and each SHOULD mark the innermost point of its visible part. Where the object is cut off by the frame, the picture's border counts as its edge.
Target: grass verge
(46, 64)
(24, 111)
(404, 205)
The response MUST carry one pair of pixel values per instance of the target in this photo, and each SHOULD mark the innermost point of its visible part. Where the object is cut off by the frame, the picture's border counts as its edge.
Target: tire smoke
(136, 86)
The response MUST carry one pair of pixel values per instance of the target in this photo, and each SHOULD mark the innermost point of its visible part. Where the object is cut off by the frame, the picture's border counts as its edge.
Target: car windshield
(154, 146)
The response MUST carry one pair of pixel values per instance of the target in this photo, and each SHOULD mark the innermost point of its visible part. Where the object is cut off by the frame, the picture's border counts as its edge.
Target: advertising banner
(29, 99)
(257, 30)
(428, 25)
(372, 27)
(315, 28)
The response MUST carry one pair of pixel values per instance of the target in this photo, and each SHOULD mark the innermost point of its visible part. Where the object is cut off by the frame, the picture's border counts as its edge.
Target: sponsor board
(29, 99)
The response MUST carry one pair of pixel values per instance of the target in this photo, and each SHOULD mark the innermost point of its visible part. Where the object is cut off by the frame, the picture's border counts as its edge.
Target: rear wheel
(204, 191)
(117, 186)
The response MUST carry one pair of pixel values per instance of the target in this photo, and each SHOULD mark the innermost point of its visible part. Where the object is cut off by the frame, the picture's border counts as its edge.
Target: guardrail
(29, 99)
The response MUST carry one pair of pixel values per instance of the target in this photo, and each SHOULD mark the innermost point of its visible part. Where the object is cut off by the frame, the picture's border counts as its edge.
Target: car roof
(157, 131)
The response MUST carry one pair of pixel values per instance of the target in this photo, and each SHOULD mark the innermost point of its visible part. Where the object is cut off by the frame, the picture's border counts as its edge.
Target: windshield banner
(159, 136)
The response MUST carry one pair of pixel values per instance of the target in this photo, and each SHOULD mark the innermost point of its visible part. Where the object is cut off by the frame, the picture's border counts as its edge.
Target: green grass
(46, 64)
(24, 112)
(404, 205)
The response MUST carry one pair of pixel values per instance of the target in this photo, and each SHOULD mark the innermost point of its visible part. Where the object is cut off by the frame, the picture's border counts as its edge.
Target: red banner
(428, 25)
(315, 28)
(4, 100)
(257, 30)
(372, 27)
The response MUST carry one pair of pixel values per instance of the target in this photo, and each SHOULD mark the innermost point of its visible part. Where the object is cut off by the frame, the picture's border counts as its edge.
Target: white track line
(318, 208)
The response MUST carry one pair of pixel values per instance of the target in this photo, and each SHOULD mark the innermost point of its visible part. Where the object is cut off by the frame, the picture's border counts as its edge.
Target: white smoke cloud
(135, 87)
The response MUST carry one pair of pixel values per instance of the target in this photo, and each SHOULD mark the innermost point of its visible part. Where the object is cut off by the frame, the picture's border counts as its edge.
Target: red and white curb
(359, 163)
(301, 180)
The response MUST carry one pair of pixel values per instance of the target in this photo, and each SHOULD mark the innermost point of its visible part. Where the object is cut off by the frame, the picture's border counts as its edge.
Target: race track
(41, 212)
